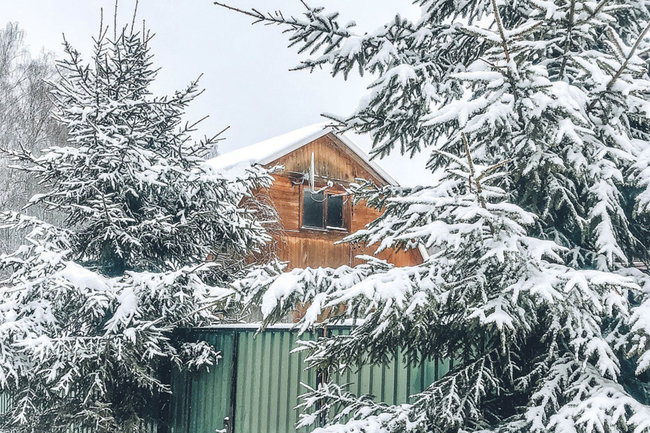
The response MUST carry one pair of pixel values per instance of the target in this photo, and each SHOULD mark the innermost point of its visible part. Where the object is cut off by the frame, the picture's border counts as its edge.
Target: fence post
(229, 421)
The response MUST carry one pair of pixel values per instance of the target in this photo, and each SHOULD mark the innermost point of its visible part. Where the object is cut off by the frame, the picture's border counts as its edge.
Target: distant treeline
(25, 120)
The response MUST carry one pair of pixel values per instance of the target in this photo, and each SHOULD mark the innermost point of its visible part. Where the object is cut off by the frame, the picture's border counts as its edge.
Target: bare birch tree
(25, 120)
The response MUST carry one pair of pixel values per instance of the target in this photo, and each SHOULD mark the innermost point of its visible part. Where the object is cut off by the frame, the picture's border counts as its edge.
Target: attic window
(313, 208)
(322, 210)
(335, 211)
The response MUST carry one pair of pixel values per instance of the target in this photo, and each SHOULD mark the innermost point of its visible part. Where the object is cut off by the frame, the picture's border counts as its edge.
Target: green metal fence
(5, 402)
(255, 386)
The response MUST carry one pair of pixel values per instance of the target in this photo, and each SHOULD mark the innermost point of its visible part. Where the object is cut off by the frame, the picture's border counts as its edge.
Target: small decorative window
(322, 210)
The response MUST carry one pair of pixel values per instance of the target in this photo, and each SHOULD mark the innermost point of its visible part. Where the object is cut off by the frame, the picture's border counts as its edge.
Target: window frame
(345, 218)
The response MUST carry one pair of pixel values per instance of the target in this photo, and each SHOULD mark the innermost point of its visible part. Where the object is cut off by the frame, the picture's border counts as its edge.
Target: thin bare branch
(135, 13)
(497, 18)
(477, 182)
(101, 25)
(115, 21)
(472, 171)
(252, 13)
(493, 168)
(568, 43)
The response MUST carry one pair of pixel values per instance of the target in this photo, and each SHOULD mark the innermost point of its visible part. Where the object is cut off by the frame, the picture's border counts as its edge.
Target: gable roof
(269, 150)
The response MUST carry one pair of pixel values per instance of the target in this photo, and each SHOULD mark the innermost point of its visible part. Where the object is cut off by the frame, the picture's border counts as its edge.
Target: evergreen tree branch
(279, 19)
(623, 66)
(616, 76)
(594, 12)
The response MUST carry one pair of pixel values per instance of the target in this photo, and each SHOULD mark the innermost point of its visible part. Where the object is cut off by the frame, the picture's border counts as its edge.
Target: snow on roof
(269, 150)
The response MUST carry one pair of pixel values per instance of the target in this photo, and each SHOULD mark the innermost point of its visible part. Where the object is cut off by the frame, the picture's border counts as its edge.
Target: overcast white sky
(245, 68)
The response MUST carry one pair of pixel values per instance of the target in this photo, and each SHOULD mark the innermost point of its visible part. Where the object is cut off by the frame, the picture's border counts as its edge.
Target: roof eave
(361, 154)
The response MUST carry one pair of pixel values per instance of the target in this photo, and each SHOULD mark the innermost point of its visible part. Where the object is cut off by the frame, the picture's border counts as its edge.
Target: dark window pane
(312, 209)
(334, 211)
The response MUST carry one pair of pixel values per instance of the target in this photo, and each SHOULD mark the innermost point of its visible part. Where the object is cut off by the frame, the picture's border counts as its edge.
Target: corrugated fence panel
(391, 383)
(200, 402)
(268, 382)
(5, 402)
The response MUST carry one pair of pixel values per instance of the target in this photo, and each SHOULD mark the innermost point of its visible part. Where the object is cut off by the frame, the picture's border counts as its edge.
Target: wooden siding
(307, 247)
(333, 160)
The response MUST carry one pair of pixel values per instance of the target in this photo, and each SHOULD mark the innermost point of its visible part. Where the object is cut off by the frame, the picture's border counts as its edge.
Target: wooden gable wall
(307, 247)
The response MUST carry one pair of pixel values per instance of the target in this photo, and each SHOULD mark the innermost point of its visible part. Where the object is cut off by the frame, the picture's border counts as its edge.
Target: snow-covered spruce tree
(88, 311)
(535, 117)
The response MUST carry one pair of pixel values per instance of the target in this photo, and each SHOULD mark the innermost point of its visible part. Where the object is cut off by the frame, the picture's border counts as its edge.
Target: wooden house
(255, 387)
(313, 220)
